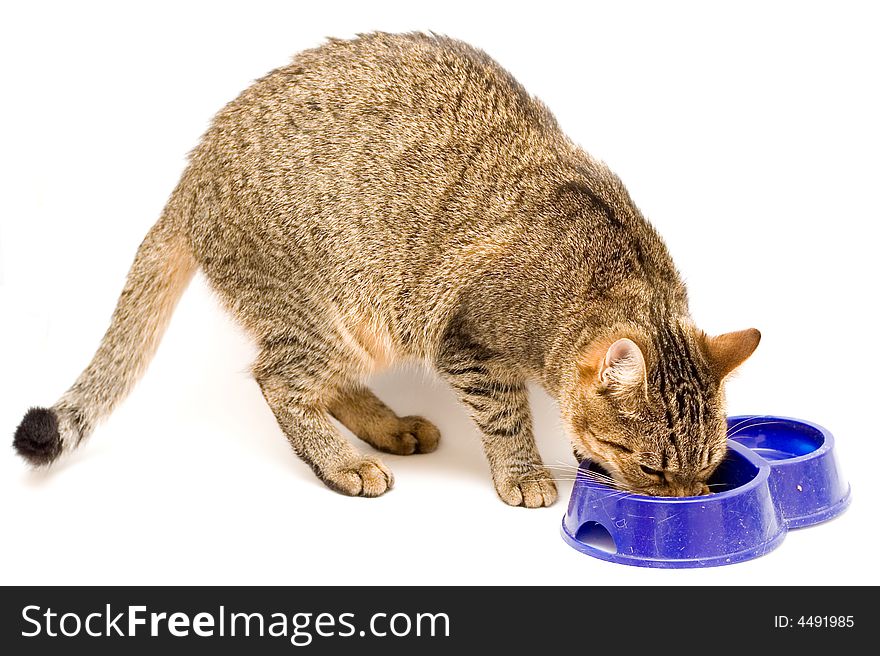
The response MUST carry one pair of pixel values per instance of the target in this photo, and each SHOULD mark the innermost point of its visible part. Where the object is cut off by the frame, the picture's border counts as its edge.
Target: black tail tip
(37, 439)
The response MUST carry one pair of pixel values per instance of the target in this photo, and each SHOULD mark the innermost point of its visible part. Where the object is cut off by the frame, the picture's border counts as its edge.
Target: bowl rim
(826, 446)
(760, 478)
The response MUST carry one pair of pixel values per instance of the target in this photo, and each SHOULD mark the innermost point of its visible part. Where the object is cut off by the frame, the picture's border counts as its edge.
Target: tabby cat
(402, 197)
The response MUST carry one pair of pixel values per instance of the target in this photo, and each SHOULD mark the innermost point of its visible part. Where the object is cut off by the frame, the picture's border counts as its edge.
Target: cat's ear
(618, 368)
(623, 367)
(726, 352)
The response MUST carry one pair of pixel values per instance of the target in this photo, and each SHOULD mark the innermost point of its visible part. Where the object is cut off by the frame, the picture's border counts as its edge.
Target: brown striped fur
(402, 197)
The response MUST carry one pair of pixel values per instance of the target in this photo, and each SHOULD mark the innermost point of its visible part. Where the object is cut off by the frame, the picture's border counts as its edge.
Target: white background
(748, 135)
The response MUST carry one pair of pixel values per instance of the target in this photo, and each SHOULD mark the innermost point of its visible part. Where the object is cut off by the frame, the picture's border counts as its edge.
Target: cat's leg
(294, 381)
(375, 423)
(500, 408)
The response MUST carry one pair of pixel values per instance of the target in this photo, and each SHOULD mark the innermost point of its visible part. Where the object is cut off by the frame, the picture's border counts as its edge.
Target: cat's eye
(614, 445)
(651, 472)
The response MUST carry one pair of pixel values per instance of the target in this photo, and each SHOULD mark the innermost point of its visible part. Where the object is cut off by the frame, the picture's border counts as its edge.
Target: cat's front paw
(534, 489)
(363, 476)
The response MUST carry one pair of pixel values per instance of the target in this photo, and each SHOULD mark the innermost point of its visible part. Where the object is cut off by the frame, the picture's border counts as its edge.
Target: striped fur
(402, 197)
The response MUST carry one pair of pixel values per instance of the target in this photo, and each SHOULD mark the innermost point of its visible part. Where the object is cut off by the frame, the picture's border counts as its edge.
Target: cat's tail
(161, 271)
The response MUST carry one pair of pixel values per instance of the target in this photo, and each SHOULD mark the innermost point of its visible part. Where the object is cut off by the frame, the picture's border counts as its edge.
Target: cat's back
(379, 99)
(388, 143)
(430, 75)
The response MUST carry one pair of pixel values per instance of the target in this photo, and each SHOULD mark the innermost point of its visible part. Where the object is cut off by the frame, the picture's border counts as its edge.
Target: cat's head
(649, 406)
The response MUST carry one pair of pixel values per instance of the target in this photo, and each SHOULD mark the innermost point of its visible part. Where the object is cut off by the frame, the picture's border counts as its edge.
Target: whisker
(614, 485)
(621, 494)
(567, 472)
(759, 423)
(597, 476)
(741, 422)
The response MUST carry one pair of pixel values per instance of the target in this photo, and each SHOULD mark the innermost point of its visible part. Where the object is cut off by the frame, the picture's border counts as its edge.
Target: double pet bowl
(779, 473)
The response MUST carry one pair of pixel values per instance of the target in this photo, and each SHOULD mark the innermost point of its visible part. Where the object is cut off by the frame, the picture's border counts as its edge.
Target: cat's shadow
(42, 476)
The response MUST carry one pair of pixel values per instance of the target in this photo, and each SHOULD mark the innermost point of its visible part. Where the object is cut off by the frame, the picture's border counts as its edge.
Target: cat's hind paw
(419, 433)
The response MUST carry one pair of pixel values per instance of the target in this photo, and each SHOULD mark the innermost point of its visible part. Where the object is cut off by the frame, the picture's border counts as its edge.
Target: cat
(402, 197)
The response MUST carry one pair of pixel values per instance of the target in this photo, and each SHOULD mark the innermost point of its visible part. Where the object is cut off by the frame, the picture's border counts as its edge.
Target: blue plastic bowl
(805, 479)
(779, 473)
